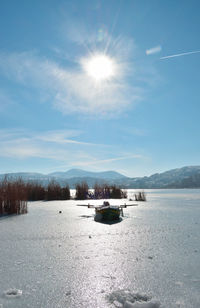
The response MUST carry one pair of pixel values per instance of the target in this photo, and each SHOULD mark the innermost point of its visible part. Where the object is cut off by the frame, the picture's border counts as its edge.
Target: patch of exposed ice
(179, 283)
(118, 304)
(12, 293)
(180, 303)
(150, 304)
(19, 262)
(127, 299)
(195, 280)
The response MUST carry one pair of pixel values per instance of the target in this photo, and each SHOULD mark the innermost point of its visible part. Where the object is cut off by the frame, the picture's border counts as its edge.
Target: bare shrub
(65, 193)
(81, 191)
(13, 198)
(101, 191)
(106, 192)
(35, 191)
(140, 196)
(56, 192)
(53, 191)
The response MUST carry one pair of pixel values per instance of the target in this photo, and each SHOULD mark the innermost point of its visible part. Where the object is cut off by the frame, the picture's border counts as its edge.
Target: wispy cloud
(109, 160)
(63, 137)
(153, 50)
(51, 144)
(180, 54)
(70, 91)
(68, 88)
(23, 145)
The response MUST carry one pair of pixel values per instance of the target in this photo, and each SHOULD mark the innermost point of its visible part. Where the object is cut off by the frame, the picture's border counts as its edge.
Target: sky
(99, 85)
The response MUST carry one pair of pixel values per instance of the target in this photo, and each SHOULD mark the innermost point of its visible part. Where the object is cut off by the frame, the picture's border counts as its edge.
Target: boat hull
(109, 213)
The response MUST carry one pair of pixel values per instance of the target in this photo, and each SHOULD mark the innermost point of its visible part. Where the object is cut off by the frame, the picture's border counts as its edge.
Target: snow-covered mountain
(79, 173)
(186, 177)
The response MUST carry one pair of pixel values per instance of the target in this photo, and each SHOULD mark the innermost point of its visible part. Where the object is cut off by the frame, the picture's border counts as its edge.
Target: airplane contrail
(180, 54)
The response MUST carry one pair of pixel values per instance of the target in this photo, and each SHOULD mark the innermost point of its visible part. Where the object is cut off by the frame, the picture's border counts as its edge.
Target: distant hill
(169, 178)
(186, 177)
(72, 177)
(31, 176)
(79, 173)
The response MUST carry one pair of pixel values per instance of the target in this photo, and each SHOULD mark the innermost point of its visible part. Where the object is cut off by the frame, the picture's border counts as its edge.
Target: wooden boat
(106, 211)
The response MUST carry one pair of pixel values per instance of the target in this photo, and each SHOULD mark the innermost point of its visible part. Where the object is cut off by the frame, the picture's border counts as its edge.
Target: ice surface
(127, 299)
(12, 293)
(69, 260)
(150, 304)
(125, 295)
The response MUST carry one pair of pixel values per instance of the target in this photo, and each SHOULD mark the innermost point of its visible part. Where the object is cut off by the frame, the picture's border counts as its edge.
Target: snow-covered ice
(12, 293)
(150, 259)
(128, 299)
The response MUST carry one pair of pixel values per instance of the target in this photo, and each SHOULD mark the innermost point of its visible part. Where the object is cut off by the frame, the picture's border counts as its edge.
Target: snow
(12, 293)
(128, 299)
(149, 259)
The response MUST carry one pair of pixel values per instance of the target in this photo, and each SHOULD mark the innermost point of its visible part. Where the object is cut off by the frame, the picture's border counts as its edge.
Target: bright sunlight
(100, 67)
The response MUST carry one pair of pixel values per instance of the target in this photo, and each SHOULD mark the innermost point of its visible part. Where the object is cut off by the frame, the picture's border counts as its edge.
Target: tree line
(102, 191)
(14, 194)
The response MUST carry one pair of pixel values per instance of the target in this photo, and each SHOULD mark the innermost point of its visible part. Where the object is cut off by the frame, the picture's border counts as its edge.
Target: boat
(106, 211)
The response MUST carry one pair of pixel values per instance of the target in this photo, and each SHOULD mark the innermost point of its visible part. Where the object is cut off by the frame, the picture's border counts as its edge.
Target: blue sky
(54, 116)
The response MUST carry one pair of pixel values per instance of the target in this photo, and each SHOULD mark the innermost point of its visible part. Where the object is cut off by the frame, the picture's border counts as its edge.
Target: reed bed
(140, 196)
(14, 193)
(13, 197)
(103, 191)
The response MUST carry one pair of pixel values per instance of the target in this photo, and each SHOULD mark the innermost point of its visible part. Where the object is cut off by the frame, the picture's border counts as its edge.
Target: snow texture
(12, 293)
(127, 299)
(148, 259)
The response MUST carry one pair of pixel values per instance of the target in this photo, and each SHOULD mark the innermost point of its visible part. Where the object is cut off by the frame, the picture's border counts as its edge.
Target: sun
(100, 67)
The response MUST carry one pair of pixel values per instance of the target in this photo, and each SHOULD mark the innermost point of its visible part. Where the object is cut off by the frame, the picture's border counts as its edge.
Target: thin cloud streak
(108, 160)
(153, 50)
(60, 139)
(180, 54)
(50, 144)
(21, 145)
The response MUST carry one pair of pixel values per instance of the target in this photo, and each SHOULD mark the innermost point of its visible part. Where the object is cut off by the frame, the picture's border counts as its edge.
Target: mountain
(79, 173)
(186, 177)
(70, 177)
(175, 178)
(32, 176)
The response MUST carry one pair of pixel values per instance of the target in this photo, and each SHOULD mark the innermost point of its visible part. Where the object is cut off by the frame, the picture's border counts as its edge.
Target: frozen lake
(152, 256)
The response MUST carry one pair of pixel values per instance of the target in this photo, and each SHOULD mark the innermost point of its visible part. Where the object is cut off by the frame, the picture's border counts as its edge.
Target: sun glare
(100, 67)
